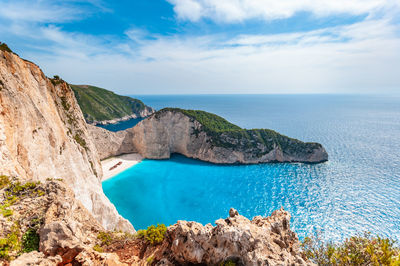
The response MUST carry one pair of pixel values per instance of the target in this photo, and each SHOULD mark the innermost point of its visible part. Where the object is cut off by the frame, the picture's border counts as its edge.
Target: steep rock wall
(43, 135)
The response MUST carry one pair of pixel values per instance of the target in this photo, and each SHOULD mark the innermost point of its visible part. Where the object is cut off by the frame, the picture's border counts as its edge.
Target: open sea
(357, 190)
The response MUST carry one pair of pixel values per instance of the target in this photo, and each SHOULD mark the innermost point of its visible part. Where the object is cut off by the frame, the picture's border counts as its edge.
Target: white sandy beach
(115, 165)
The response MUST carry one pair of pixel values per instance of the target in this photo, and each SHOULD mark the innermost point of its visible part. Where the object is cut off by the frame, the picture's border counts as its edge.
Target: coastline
(117, 164)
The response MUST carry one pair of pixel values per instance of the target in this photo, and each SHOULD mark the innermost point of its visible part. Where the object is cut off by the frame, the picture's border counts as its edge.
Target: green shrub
(80, 141)
(30, 241)
(6, 212)
(10, 242)
(4, 181)
(153, 234)
(4, 47)
(65, 103)
(228, 263)
(105, 238)
(17, 189)
(56, 80)
(98, 249)
(357, 250)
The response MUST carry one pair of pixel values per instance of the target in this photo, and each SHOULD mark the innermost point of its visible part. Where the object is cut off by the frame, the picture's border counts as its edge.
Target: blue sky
(211, 46)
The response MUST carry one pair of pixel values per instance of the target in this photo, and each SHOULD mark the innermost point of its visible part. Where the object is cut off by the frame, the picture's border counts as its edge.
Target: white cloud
(38, 11)
(240, 10)
(363, 57)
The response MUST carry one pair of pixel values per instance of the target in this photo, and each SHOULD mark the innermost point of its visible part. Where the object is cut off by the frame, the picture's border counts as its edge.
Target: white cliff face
(168, 132)
(43, 135)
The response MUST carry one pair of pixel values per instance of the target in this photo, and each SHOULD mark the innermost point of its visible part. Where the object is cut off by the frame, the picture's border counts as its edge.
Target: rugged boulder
(261, 241)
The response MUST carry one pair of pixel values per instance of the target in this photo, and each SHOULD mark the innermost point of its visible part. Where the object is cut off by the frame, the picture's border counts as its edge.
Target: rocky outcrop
(67, 231)
(261, 241)
(173, 131)
(232, 241)
(43, 135)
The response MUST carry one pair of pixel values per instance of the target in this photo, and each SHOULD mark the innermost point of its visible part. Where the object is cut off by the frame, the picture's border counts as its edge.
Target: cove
(357, 190)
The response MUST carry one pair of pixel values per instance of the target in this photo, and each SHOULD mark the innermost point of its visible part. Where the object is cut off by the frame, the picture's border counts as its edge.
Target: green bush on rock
(10, 243)
(30, 241)
(153, 234)
(4, 181)
(357, 250)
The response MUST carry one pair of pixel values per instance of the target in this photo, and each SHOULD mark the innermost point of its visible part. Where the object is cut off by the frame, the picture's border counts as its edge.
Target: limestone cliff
(43, 135)
(207, 137)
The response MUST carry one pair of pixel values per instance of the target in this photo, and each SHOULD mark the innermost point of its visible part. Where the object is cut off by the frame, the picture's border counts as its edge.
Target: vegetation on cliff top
(228, 135)
(357, 250)
(4, 47)
(98, 104)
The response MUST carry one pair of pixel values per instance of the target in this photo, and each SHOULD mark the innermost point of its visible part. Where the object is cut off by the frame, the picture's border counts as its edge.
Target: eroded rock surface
(43, 135)
(261, 241)
(67, 231)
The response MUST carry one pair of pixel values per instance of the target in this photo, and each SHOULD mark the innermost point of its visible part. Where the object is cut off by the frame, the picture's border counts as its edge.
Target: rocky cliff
(43, 135)
(207, 137)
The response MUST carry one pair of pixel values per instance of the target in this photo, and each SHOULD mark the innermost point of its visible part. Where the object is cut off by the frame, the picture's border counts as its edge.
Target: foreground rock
(213, 139)
(43, 135)
(261, 241)
(233, 241)
(66, 232)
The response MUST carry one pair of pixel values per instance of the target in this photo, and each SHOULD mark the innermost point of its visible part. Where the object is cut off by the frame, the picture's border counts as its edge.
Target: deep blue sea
(357, 190)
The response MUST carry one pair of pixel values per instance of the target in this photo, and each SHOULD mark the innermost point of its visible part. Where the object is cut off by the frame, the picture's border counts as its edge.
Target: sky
(211, 46)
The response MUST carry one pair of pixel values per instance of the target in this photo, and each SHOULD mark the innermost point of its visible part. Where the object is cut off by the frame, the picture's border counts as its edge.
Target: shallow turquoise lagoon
(357, 190)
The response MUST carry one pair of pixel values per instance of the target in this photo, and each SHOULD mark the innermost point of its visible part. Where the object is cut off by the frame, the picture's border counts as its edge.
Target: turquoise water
(357, 190)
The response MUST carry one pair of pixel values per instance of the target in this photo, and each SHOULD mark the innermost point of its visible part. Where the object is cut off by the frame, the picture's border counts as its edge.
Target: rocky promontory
(207, 137)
